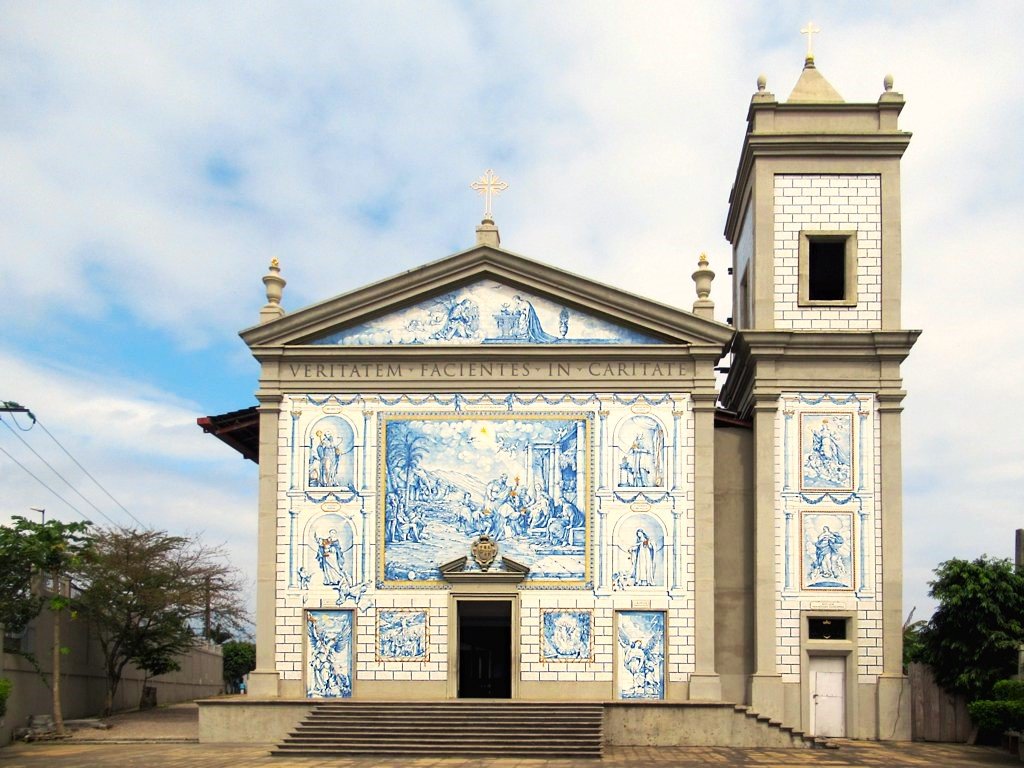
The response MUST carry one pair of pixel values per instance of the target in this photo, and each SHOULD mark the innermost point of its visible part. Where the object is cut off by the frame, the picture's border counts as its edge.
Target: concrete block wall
(816, 202)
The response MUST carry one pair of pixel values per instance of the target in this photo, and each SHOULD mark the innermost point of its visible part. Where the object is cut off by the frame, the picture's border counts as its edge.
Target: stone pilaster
(264, 680)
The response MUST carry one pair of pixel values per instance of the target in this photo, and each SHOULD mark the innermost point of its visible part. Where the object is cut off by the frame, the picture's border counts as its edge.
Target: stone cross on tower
(489, 185)
(810, 30)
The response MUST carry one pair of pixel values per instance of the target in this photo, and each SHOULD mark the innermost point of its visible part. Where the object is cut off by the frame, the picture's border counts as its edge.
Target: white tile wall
(828, 202)
(865, 604)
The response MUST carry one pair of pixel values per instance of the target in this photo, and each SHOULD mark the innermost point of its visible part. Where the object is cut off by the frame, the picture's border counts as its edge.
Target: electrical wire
(89, 475)
(29, 471)
(58, 474)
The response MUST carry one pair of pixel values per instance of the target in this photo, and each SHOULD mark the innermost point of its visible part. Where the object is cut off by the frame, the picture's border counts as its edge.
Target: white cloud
(141, 444)
(156, 157)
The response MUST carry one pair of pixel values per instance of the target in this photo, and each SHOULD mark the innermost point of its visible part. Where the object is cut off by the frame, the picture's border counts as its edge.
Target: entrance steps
(797, 737)
(472, 727)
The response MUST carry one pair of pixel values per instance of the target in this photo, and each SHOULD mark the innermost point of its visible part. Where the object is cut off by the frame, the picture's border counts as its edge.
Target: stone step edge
(818, 742)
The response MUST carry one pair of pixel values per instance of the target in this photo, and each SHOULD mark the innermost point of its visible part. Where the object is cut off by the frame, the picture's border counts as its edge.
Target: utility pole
(41, 512)
(1019, 562)
(206, 612)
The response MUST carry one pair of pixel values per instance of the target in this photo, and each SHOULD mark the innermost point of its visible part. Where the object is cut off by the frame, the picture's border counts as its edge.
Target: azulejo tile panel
(402, 634)
(329, 654)
(487, 312)
(641, 655)
(828, 551)
(523, 480)
(826, 451)
(567, 635)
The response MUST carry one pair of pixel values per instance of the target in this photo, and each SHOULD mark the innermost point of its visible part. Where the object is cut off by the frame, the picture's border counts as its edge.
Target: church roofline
(482, 262)
(807, 129)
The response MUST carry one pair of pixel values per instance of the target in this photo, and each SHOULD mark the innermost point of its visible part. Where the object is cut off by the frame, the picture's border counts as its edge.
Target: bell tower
(814, 221)
(814, 214)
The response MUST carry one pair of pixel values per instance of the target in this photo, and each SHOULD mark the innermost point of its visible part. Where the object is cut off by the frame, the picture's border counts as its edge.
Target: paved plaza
(167, 738)
(74, 754)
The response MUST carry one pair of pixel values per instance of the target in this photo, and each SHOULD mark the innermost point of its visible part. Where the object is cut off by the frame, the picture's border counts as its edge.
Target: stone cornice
(766, 363)
(486, 262)
(853, 145)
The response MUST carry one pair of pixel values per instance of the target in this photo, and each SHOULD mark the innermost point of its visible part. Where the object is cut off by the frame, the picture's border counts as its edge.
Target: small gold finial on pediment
(274, 263)
(703, 260)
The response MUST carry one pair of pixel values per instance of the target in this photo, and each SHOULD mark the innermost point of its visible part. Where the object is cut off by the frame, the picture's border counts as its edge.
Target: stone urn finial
(702, 277)
(275, 289)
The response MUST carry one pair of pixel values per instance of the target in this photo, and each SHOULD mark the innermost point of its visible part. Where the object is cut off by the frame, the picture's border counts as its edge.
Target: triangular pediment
(486, 312)
(486, 297)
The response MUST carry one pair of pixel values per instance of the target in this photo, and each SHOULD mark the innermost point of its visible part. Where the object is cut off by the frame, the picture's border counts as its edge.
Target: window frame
(849, 239)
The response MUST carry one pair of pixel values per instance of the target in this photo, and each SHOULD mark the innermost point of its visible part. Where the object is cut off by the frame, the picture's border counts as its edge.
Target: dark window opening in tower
(826, 269)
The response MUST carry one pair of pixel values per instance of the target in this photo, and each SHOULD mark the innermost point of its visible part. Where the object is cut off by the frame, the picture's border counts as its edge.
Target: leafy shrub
(1008, 690)
(997, 716)
(5, 691)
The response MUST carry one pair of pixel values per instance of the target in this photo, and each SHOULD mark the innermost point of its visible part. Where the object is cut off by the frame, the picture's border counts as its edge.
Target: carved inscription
(487, 370)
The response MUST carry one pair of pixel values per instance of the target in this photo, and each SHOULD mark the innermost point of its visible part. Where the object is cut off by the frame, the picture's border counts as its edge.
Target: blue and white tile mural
(329, 654)
(640, 453)
(828, 550)
(826, 451)
(639, 555)
(330, 459)
(523, 481)
(327, 559)
(329, 551)
(566, 635)
(641, 658)
(487, 312)
(401, 634)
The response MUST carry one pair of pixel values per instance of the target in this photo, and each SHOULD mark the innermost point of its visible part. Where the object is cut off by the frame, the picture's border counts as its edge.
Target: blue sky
(156, 156)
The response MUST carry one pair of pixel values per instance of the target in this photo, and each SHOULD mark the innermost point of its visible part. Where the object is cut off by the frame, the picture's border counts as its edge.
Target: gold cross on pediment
(489, 185)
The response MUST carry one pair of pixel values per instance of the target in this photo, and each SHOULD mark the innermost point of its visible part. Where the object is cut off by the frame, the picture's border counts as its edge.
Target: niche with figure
(639, 453)
(330, 461)
(328, 553)
(639, 553)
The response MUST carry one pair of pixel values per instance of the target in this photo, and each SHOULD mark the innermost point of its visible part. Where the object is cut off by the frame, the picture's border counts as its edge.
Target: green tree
(913, 640)
(20, 601)
(5, 691)
(29, 553)
(149, 594)
(972, 639)
(239, 660)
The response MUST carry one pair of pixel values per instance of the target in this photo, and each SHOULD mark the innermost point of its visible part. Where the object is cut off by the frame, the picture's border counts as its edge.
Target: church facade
(490, 478)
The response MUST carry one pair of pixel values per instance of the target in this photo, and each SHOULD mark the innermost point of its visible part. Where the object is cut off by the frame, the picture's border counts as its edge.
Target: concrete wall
(236, 720)
(691, 725)
(734, 560)
(83, 682)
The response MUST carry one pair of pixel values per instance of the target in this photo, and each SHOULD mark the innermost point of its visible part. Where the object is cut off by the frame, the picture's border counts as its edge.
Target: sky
(155, 156)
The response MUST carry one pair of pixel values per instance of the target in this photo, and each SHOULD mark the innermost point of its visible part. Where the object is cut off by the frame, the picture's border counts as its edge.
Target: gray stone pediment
(487, 297)
(505, 571)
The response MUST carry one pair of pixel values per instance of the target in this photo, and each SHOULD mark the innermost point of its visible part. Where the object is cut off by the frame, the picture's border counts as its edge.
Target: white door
(828, 695)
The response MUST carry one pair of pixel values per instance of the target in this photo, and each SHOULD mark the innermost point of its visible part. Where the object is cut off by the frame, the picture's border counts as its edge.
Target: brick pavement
(73, 754)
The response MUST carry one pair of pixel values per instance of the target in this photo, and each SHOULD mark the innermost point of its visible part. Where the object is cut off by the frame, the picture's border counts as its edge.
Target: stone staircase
(798, 737)
(471, 727)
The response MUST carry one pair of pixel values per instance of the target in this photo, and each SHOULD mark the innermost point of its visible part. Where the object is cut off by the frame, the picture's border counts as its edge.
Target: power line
(58, 474)
(4, 451)
(89, 475)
